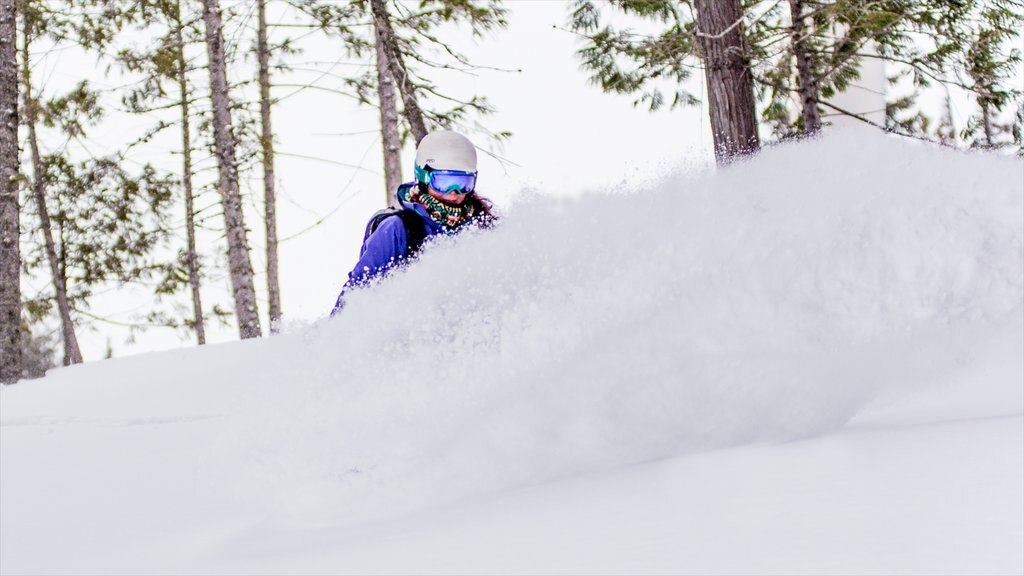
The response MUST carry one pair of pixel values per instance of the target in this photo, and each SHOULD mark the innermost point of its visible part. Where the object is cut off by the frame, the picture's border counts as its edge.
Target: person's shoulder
(432, 227)
(390, 224)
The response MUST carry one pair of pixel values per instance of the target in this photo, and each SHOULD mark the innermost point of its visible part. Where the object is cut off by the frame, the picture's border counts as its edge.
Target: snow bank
(766, 302)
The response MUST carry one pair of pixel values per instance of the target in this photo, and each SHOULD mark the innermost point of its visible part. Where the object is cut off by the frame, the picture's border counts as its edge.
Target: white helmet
(446, 150)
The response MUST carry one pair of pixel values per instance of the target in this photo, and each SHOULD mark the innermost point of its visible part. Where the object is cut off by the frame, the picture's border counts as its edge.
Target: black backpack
(415, 229)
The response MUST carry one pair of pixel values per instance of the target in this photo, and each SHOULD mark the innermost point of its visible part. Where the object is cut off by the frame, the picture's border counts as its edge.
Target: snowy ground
(778, 368)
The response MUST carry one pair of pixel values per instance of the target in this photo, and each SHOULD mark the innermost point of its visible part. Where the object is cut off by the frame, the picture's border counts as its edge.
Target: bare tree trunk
(72, 354)
(388, 123)
(986, 123)
(10, 252)
(807, 83)
(382, 22)
(730, 82)
(270, 200)
(238, 245)
(186, 147)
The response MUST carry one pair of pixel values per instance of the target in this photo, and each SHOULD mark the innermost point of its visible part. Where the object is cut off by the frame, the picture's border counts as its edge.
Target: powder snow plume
(766, 302)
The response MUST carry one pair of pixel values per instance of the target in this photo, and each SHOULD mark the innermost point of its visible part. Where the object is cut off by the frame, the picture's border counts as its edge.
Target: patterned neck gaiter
(450, 216)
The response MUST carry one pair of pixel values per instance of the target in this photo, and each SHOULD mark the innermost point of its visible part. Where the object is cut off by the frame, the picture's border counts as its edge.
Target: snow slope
(807, 363)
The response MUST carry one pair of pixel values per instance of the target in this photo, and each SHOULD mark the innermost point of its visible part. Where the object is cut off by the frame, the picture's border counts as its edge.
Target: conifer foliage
(801, 53)
(98, 219)
(98, 222)
(161, 63)
(409, 46)
(81, 219)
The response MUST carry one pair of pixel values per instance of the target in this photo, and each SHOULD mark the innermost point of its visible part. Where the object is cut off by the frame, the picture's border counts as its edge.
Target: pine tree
(711, 32)
(412, 35)
(388, 42)
(267, 145)
(10, 220)
(807, 80)
(101, 223)
(238, 247)
(72, 353)
(191, 257)
(160, 62)
(729, 79)
(965, 44)
(402, 42)
(390, 137)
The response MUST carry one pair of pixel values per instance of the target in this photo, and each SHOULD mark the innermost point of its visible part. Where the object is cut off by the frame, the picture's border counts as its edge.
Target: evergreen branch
(881, 127)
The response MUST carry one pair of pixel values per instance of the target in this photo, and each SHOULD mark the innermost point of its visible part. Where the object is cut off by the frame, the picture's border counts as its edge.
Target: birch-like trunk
(413, 113)
(729, 79)
(191, 259)
(10, 252)
(270, 199)
(72, 353)
(806, 82)
(388, 123)
(234, 222)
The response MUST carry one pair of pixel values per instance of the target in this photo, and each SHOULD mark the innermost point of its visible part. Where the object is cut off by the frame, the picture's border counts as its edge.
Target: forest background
(561, 97)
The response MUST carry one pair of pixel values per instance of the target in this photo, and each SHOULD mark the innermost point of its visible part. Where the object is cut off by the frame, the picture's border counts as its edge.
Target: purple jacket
(387, 246)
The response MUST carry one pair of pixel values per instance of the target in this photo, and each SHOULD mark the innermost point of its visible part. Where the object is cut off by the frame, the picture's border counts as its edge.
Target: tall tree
(825, 43)
(807, 81)
(267, 144)
(710, 32)
(729, 79)
(408, 46)
(238, 247)
(396, 62)
(390, 138)
(191, 258)
(99, 224)
(72, 353)
(924, 45)
(157, 63)
(10, 221)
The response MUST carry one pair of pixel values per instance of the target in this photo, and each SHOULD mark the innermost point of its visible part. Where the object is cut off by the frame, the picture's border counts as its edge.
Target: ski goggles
(447, 181)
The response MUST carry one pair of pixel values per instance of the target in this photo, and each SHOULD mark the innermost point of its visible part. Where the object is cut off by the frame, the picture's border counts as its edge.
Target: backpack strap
(375, 220)
(415, 229)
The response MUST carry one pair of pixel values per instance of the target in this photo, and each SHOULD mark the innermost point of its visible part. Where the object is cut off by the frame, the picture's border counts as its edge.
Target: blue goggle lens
(446, 181)
(450, 181)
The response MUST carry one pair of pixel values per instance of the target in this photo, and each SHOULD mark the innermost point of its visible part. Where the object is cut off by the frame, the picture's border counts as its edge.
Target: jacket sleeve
(381, 250)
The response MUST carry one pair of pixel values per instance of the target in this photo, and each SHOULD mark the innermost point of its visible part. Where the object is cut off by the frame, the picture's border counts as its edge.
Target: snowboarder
(442, 200)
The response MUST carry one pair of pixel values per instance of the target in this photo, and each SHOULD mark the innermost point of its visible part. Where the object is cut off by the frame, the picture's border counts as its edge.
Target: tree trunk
(382, 23)
(10, 252)
(986, 124)
(186, 147)
(730, 82)
(72, 354)
(238, 245)
(388, 123)
(807, 83)
(270, 200)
